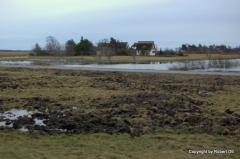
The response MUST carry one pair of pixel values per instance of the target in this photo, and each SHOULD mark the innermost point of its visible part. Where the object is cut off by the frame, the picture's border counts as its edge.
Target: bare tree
(53, 46)
(180, 49)
(177, 49)
(93, 50)
(156, 50)
(133, 53)
(61, 50)
(104, 48)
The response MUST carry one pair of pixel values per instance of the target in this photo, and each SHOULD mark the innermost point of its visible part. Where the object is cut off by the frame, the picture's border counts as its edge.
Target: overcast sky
(169, 23)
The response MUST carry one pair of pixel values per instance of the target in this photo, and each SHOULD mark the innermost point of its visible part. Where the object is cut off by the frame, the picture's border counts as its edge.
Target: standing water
(199, 65)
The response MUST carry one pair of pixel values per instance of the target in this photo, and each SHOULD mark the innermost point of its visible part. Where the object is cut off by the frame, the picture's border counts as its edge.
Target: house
(134, 46)
(122, 45)
(144, 48)
(106, 49)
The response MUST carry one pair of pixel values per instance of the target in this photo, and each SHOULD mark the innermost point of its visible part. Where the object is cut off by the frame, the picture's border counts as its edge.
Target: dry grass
(120, 58)
(13, 53)
(161, 143)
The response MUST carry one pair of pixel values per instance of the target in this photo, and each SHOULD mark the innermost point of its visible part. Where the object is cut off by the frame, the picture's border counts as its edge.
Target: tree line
(106, 47)
(84, 47)
(202, 49)
(70, 48)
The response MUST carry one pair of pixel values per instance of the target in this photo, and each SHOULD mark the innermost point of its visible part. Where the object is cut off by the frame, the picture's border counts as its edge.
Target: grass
(158, 145)
(61, 85)
(119, 58)
(13, 53)
(228, 98)
(77, 86)
(223, 99)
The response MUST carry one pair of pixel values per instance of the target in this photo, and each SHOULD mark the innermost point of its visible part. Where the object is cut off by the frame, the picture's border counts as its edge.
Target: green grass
(157, 145)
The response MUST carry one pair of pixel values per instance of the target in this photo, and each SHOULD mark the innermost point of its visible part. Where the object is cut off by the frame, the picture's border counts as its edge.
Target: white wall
(150, 53)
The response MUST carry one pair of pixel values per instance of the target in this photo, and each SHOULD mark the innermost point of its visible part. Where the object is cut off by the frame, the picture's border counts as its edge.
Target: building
(144, 48)
(107, 49)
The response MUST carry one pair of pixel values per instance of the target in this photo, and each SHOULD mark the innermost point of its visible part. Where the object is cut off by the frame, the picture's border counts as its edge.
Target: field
(119, 114)
(13, 53)
(117, 58)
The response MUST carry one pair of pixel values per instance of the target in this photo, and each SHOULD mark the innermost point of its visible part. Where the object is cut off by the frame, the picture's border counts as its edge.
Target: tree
(205, 49)
(53, 46)
(37, 49)
(122, 51)
(156, 49)
(105, 49)
(194, 46)
(160, 52)
(61, 50)
(167, 50)
(70, 47)
(200, 48)
(223, 48)
(93, 50)
(132, 53)
(84, 47)
(184, 47)
(114, 44)
(177, 49)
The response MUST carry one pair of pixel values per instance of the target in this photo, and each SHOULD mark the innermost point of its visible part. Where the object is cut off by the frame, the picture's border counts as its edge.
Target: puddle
(64, 130)
(10, 117)
(198, 65)
(24, 129)
(3, 123)
(83, 81)
(201, 92)
(15, 62)
(39, 122)
(16, 57)
(14, 114)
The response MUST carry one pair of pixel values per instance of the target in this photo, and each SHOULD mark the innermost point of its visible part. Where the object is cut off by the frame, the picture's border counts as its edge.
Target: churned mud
(134, 103)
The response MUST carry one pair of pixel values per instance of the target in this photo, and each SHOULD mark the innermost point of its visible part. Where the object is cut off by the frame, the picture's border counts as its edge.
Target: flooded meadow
(54, 113)
(66, 101)
(198, 65)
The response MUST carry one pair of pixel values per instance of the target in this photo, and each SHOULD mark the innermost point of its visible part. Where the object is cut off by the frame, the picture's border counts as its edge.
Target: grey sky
(170, 23)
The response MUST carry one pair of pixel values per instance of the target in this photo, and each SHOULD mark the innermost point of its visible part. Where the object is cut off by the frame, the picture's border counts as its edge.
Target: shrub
(31, 54)
(122, 51)
(180, 54)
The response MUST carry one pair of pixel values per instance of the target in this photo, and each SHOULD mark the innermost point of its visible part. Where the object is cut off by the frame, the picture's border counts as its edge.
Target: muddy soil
(158, 101)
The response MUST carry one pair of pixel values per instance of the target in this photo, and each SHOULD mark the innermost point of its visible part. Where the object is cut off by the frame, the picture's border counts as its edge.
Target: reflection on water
(16, 57)
(199, 65)
(15, 62)
(59, 62)
(210, 65)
